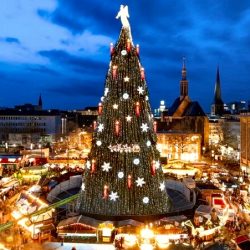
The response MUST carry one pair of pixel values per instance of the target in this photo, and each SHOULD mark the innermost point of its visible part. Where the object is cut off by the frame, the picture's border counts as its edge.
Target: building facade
(245, 142)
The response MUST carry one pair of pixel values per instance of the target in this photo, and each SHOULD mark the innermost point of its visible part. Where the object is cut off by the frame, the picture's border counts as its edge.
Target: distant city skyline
(60, 49)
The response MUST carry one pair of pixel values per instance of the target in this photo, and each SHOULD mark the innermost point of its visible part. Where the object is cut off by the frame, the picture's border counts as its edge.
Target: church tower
(40, 103)
(217, 108)
(184, 81)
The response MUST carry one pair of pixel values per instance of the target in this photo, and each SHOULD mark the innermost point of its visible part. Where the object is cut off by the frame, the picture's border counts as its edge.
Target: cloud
(42, 69)
(10, 40)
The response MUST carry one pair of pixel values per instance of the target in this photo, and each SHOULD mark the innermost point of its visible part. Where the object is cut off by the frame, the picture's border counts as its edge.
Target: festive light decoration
(105, 192)
(148, 143)
(106, 91)
(117, 128)
(88, 164)
(136, 161)
(100, 127)
(83, 187)
(145, 200)
(146, 98)
(124, 52)
(111, 48)
(100, 108)
(93, 166)
(128, 118)
(128, 46)
(157, 164)
(125, 96)
(114, 71)
(144, 127)
(126, 79)
(102, 98)
(113, 196)
(94, 125)
(162, 186)
(129, 181)
(153, 168)
(98, 143)
(133, 148)
(115, 106)
(120, 175)
(155, 126)
(140, 182)
(137, 49)
(137, 109)
(106, 166)
(142, 73)
(140, 90)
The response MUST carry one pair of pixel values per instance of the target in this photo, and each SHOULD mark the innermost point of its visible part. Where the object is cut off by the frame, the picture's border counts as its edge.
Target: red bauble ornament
(117, 128)
(114, 71)
(153, 168)
(111, 49)
(93, 166)
(142, 74)
(100, 108)
(137, 108)
(129, 181)
(94, 125)
(105, 192)
(155, 126)
(128, 45)
(137, 49)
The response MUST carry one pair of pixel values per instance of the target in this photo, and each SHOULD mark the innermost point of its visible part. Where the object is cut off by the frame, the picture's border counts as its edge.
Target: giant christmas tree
(123, 174)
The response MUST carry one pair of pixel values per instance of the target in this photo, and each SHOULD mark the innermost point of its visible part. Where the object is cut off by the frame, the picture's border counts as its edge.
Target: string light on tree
(98, 143)
(114, 71)
(113, 196)
(117, 128)
(148, 143)
(128, 45)
(106, 166)
(94, 125)
(99, 108)
(137, 49)
(153, 168)
(142, 74)
(145, 200)
(140, 182)
(93, 166)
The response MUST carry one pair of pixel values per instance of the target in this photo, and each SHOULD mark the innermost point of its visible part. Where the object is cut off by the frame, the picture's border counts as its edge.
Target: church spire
(40, 102)
(218, 105)
(184, 81)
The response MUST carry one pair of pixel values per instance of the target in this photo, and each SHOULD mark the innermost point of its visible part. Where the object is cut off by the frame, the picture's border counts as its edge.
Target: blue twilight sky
(60, 48)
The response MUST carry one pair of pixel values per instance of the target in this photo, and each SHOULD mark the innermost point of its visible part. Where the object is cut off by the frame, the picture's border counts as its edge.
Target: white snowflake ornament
(140, 182)
(145, 200)
(100, 127)
(144, 127)
(162, 186)
(113, 196)
(106, 166)
(140, 90)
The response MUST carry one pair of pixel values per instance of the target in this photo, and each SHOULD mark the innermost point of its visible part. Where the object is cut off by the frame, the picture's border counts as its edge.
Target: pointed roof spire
(184, 70)
(184, 81)
(217, 89)
(40, 102)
